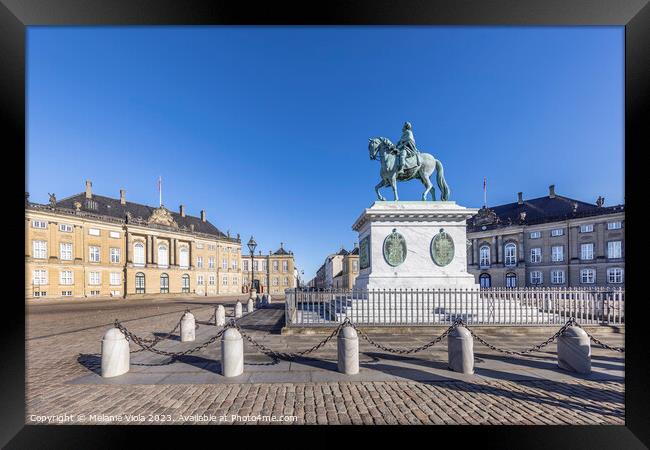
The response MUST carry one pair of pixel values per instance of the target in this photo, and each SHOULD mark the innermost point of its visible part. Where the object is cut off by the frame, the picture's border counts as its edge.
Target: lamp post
(251, 246)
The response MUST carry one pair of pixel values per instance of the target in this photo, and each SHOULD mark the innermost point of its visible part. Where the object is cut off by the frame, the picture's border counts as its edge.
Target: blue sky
(266, 128)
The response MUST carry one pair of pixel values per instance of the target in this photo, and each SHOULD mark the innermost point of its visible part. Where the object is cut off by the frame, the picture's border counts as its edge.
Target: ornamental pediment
(485, 216)
(162, 216)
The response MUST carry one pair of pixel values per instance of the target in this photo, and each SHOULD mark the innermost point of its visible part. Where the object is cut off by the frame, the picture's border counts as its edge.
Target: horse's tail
(442, 184)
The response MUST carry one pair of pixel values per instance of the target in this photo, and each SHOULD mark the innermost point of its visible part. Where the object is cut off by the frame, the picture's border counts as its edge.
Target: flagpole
(160, 190)
(485, 192)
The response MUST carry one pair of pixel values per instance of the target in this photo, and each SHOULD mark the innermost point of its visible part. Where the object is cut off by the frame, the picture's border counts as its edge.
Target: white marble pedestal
(418, 222)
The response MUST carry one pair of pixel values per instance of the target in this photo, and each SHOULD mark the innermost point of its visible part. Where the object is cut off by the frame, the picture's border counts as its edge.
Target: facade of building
(88, 245)
(272, 273)
(551, 241)
(350, 268)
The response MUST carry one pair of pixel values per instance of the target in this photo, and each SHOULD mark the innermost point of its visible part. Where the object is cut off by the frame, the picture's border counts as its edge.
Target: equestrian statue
(403, 162)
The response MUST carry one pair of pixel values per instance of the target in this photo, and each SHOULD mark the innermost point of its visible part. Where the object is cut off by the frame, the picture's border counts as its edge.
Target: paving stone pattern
(64, 386)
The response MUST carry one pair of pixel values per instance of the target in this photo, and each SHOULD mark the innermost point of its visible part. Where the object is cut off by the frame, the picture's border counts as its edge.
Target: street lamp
(251, 246)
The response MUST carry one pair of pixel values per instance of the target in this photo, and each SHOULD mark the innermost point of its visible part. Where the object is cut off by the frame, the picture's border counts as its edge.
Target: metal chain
(287, 356)
(406, 351)
(602, 344)
(523, 352)
(138, 340)
(157, 339)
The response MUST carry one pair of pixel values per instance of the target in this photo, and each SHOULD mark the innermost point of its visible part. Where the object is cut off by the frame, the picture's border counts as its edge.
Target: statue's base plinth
(418, 222)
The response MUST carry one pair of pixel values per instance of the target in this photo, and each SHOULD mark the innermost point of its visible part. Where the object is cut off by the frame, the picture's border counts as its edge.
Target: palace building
(548, 241)
(90, 245)
(272, 273)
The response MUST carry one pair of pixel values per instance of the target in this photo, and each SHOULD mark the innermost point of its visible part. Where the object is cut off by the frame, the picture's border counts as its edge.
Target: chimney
(123, 196)
(520, 198)
(551, 191)
(89, 189)
(202, 215)
(182, 209)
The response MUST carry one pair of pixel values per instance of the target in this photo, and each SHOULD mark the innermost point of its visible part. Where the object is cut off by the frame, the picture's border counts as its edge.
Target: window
(536, 277)
(355, 266)
(139, 283)
(93, 254)
(535, 234)
(65, 251)
(40, 294)
(199, 262)
(39, 224)
(614, 225)
(199, 245)
(557, 232)
(511, 280)
(256, 266)
(66, 293)
(235, 281)
(615, 275)
(587, 228)
(224, 280)
(93, 231)
(264, 266)
(164, 283)
(211, 262)
(116, 278)
(275, 266)
(557, 276)
(138, 253)
(286, 281)
(234, 264)
(39, 277)
(245, 264)
(94, 293)
(557, 253)
(484, 252)
(185, 283)
(535, 255)
(65, 277)
(39, 249)
(275, 281)
(224, 263)
(163, 256)
(211, 280)
(588, 276)
(510, 254)
(65, 228)
(285, 266)
(184, 257)
(93, 278)
(199, 280)
(115, 255)
(485, 280)
(587, 251)
(614, 249)
(114, 234)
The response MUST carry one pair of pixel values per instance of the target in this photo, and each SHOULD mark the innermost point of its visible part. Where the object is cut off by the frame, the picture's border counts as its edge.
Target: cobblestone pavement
(63, 343)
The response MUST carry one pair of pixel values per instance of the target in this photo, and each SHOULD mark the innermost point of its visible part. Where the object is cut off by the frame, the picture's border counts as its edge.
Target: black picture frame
(634, 15)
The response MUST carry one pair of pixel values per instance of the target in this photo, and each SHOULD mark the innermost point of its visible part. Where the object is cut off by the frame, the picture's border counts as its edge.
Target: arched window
(184, 257)
(485, 280)
(510, 252)
(138, 253)
(484, 256)
(164, 283)
(139, 283)
(511, 280)
(163, 256)
(185, 283)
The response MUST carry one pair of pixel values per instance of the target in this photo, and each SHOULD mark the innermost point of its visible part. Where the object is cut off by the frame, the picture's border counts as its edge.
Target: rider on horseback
(406, 147)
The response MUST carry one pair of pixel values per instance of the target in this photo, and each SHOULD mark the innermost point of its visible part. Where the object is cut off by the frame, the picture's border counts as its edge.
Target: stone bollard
(268, 299)
(238, 311)
(460, 350)
(574, 350)
(220, 316)
(115, 353)
(232, 353)
(253, 293)
(249, 306)
(188, 326)
(348, 350)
